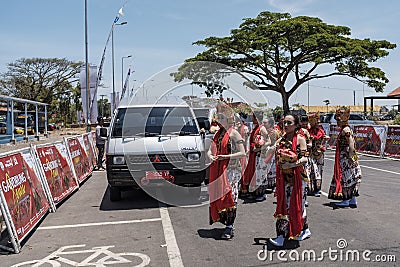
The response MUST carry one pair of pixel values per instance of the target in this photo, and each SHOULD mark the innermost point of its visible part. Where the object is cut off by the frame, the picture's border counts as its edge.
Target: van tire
(115, 194)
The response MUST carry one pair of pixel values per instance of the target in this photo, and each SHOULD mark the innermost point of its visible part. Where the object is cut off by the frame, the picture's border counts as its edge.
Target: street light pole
(122, 70)
(112, 59)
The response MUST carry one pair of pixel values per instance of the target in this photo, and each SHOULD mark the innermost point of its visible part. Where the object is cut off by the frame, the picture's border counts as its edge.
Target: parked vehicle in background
(51, 127)
(3, 129)
(29, 120)
(354, 119)
(386, 117)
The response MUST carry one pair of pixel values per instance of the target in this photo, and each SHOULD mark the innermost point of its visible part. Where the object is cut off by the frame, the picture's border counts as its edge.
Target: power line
(342, 89)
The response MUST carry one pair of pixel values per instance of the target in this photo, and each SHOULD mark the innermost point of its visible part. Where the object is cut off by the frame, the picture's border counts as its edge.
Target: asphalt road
(87, 228)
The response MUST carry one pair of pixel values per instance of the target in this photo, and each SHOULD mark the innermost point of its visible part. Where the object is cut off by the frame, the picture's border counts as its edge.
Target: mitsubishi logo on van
(156, 159)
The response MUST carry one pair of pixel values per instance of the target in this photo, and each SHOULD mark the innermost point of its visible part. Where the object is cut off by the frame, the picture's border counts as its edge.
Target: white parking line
(174, 254)
(372, 168)
(97, 224)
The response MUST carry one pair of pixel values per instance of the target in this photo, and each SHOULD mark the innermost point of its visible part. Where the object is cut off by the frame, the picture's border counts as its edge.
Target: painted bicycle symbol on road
(99, 257)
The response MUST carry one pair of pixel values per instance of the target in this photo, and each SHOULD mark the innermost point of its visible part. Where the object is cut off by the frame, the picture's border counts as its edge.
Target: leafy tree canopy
(279, 53)
(39, 79)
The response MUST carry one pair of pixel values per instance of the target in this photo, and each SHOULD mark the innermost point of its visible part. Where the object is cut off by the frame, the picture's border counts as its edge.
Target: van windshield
(154, 121)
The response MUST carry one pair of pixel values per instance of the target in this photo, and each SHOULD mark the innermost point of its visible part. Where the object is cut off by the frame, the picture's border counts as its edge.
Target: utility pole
(354, 98)
(87, 71)
(308, 97)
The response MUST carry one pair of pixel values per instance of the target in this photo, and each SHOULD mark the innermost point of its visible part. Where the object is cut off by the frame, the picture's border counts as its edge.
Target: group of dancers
(285, 159)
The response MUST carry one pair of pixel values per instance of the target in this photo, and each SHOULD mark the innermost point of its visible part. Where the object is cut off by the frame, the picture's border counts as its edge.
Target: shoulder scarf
(317, 132)
(337, 171)
(251, 163)
(295, 210)
(219, 188)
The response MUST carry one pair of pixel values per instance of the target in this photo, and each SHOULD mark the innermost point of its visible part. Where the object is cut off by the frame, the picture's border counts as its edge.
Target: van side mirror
(103, 132)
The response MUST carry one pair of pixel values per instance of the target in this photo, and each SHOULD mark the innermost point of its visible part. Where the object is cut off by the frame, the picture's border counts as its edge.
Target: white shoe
(304, 235)
(277, 242)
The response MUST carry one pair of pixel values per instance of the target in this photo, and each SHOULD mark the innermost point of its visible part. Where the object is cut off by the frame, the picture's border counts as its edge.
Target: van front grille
(156, 158)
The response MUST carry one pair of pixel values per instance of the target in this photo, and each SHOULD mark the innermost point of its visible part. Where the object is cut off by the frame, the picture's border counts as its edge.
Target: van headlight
(193, 156)
(118, 160)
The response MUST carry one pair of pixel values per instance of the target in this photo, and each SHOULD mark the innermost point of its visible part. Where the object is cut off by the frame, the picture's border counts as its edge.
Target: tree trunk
(285, 102)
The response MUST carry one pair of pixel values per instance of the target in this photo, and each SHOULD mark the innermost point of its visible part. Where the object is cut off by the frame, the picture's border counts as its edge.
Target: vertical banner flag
(99, 74)
(392, 144)
(125, 84)
(334, 131)
(92, 92)
(23, 191)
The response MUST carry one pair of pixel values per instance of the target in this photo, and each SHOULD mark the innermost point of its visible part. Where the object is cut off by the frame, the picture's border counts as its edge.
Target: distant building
(333, 108)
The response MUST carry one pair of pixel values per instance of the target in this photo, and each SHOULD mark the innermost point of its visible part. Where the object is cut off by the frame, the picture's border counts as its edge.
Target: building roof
(395, 92)
(332, 108)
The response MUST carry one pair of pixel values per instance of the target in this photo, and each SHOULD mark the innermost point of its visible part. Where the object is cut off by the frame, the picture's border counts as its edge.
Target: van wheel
(115, 194)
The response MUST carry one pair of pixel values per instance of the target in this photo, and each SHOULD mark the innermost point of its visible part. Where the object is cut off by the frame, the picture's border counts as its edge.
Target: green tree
(40, 79)
(279, 53)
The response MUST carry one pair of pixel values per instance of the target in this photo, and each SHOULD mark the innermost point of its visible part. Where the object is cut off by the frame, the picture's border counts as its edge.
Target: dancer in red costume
(318, 136)
(243, 130)
(291, 178)
(255, 175)
(225, 170)
(347, 172)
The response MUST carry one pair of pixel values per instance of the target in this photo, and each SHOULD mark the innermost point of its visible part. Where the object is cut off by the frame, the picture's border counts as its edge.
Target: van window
(154, 121)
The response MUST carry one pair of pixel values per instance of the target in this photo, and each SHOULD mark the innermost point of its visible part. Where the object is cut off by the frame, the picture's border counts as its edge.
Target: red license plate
(150, 175)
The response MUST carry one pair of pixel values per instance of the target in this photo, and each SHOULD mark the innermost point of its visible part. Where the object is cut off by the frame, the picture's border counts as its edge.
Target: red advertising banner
(88, 144)
(369, 139)
(334, 131)
(57, 170)
(80, 160)
(23, 191)
(392, 144)
(93, 137)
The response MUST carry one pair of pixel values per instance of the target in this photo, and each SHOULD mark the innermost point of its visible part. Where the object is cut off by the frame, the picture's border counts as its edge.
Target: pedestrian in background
(347, 172)
(317, 134)
(243, 130)
(270, 159)
(100, 142)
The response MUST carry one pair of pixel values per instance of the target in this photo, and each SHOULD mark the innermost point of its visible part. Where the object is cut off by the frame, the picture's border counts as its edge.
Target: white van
(153, 143)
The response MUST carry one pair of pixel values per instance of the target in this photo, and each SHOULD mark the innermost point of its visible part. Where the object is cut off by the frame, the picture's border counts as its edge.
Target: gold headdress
(225, 110)
(342, 114)
(313, 118)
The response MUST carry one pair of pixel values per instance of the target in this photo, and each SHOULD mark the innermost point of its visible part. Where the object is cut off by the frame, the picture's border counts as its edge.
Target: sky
(159, 34)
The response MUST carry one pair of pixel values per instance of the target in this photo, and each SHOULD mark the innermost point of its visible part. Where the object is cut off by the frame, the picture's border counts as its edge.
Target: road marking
(100, 256)
(174, 254)
(97, 224)
(372, 168)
